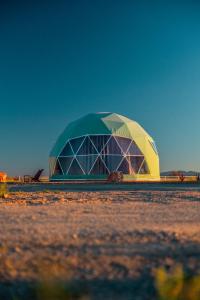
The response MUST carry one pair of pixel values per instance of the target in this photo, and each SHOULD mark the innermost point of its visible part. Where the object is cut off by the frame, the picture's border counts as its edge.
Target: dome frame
(104, 124)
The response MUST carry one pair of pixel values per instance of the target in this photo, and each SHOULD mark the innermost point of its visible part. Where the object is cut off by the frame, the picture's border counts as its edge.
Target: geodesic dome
(100, 143)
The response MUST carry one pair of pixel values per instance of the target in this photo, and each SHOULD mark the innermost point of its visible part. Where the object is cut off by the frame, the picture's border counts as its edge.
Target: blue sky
(62, 59)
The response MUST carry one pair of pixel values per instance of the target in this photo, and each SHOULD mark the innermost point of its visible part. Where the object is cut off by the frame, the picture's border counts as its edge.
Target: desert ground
(101, 244)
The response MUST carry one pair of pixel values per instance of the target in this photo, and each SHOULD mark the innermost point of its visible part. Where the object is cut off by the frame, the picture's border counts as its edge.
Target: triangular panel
(136, 162)
(67, 151)
(75, 169)
(87, 148)
(123, 131)
(113, 126)
(133, 149)
(76, 143)
(144, 168)
(124, 143)
(86, 162)
(65, 163)
(112, 161)
(99, 168)
(125, 167)
(99, 141)
(112, 147)
(113, 117)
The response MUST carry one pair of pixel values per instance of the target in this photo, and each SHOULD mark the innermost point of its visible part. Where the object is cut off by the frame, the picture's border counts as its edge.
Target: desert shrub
(3, 190)
(115, 177)
(175, 285)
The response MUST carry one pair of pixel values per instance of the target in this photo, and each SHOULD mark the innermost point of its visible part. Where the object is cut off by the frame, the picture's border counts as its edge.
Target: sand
(110, 242)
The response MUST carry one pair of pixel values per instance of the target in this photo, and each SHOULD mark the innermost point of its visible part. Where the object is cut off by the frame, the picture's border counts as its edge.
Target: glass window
(112, 161)
(76, 143)
(67, 151)
(136, 162)
(87, 148)
(111, 147)
(123, 142)
(99, 168)
(99, 141)
(100, 155)
(133, 149)
(125, 167)
(75, 169)
(144, 168)
(65, 163)
(86, 162)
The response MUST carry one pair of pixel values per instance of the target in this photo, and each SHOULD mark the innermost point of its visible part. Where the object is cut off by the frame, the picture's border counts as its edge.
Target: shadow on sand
(79, 289)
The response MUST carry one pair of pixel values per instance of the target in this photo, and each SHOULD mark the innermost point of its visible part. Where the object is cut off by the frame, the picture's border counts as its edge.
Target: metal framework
(99, 155)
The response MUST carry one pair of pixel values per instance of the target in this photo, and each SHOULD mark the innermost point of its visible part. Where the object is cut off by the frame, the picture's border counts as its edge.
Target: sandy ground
(109, 242)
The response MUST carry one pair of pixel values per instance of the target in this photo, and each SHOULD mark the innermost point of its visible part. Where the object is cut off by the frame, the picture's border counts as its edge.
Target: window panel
(111, 147)
(65, 163)
(75, 169)
(87, 148)
(123, 142)
(67, 151)
(144, 169)
(136, 162)
(99, 168)
(99, 141)
(125, 167)
(133, 149)
(86, 162)
(112, 161)
(76, 143)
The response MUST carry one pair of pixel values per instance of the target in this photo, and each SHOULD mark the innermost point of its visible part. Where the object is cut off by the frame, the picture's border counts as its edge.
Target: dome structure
(100, 143)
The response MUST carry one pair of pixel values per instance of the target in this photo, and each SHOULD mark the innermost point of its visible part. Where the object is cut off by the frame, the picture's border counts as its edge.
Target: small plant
(115, 177)
(175, 285)
(3, 190)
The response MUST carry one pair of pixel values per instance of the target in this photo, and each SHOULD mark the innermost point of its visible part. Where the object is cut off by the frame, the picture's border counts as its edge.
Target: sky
(60, 60)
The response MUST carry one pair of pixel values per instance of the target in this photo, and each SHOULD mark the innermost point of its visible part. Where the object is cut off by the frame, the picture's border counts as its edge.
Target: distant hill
(185, 173)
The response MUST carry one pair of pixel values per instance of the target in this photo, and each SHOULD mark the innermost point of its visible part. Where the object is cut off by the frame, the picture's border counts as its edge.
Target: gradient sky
(62, 59)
